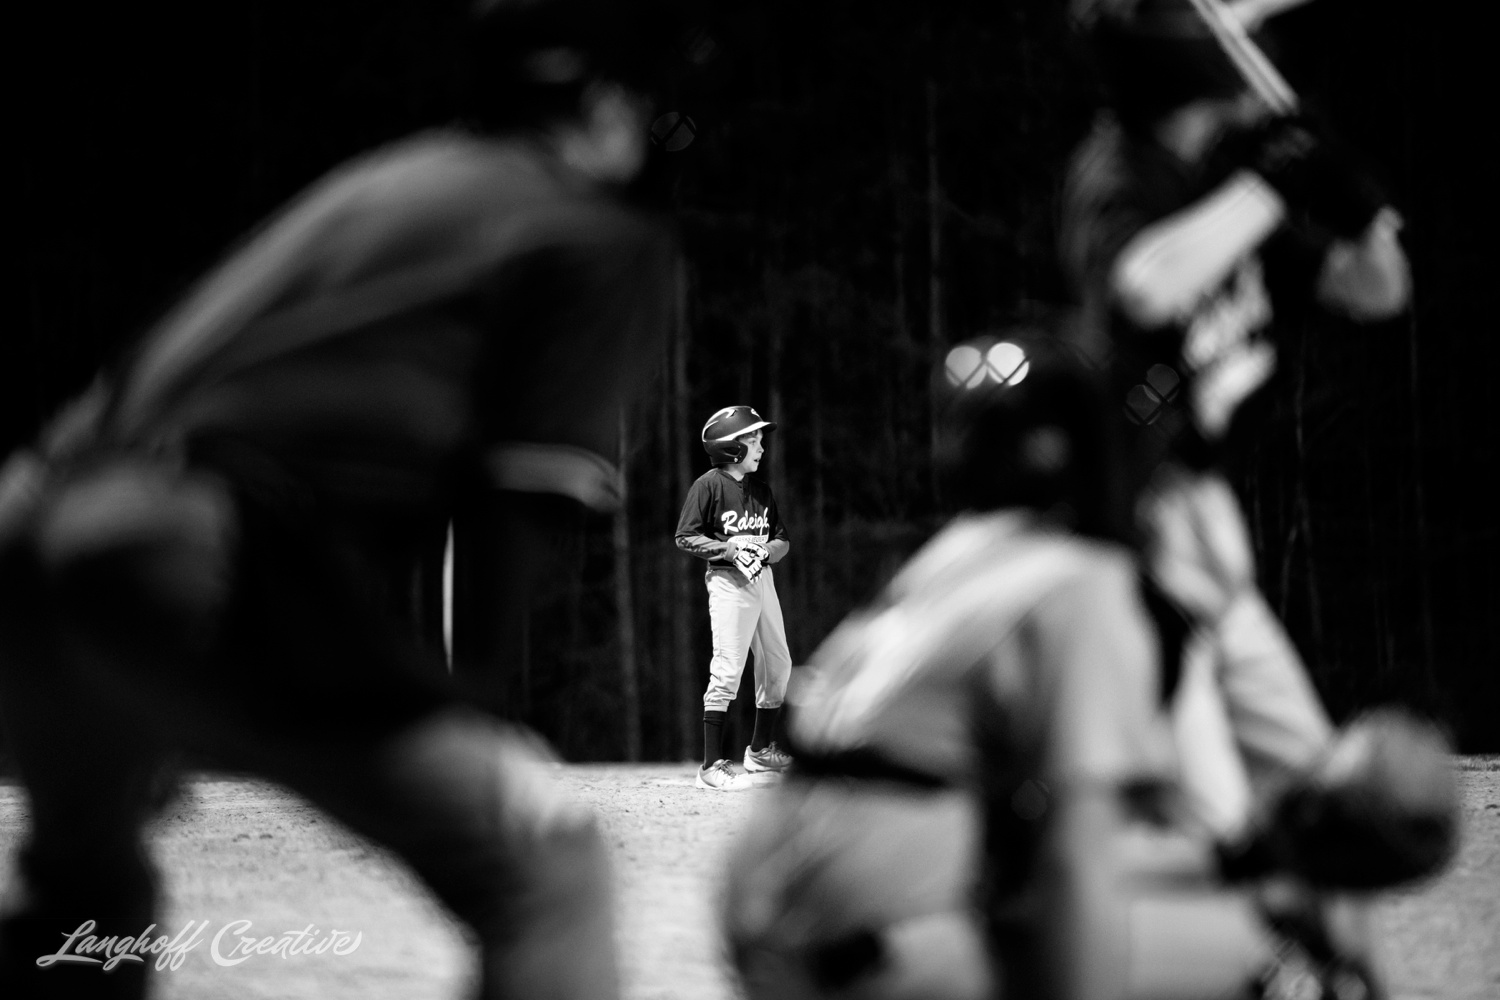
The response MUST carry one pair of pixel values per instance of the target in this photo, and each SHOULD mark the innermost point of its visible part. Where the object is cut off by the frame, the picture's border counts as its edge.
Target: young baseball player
(730, 519)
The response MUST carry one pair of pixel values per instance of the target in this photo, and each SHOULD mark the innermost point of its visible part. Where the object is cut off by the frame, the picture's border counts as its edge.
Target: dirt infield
(236, 850)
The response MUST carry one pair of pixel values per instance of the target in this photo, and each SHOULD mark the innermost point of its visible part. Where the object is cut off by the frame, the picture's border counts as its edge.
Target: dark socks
(765, 727)
(713, 736)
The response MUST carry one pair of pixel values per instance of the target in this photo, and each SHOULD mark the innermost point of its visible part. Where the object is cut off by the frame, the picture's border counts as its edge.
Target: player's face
(755, 449)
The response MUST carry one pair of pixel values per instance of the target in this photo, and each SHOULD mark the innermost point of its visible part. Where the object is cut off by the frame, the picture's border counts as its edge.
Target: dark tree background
(869, 181)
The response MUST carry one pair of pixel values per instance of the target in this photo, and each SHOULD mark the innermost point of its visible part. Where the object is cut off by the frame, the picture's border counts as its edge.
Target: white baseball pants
(745, 616)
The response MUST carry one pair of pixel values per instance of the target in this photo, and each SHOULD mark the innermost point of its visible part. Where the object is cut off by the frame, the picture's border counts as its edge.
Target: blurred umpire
(186, 555)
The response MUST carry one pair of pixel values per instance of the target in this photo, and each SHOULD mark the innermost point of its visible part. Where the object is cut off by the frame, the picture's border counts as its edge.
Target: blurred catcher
(985, 801)
(187, 555)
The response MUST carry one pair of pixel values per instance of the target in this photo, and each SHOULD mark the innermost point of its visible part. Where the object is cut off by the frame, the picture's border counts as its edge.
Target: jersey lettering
(1229, 361)
(735, 522)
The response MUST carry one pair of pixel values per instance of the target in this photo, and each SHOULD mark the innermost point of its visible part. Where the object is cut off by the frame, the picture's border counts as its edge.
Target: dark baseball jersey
(719, 507)
(450, 314)
(1181, 385)
(414, 313)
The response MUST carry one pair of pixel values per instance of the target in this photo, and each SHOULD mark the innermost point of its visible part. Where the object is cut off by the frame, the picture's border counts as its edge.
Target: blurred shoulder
(452, 172)
(449, 166)
(1099, 589)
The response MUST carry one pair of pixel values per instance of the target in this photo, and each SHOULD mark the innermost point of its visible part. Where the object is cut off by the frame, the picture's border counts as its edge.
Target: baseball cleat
(772, 758)
(720, 776)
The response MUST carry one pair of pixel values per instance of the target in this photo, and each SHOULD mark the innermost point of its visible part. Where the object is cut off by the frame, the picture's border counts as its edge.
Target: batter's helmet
(722, 433)
(1022, 422)
(1154, 56)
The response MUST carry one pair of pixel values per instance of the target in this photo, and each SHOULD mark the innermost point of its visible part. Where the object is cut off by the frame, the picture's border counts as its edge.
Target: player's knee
(133, 549)
(487, 823)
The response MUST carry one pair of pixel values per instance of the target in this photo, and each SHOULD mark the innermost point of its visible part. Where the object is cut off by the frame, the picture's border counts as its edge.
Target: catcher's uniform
(1181, 388)
(187, 559)
(743, 609)
(1006, 671)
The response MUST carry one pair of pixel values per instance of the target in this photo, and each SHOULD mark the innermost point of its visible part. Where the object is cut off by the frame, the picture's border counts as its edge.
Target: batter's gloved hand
(1312, 172)
(1379, 808)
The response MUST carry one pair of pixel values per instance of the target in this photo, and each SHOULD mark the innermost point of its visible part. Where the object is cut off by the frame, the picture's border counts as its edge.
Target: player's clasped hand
(749, 556)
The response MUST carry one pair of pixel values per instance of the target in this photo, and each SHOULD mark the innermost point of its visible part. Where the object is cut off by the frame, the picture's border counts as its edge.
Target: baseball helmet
(722, 433)
(1022, 421)
(1154, 56)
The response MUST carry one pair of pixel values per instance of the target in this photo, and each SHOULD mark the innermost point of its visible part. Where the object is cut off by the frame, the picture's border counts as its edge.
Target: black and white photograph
(684, 500)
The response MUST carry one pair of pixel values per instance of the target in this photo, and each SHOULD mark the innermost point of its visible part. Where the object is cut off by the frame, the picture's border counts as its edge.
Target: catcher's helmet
(1154, 56)
(722, 433)
(1022, 422)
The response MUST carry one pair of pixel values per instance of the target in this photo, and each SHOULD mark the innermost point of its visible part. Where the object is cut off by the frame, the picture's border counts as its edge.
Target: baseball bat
(1252, 12)
(1229, 28)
